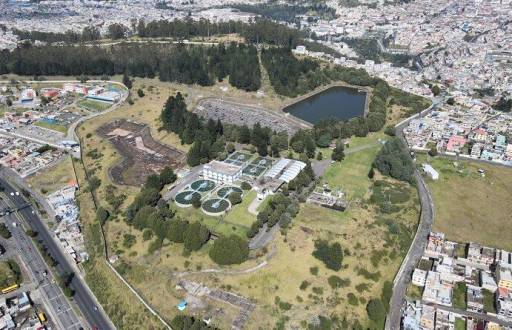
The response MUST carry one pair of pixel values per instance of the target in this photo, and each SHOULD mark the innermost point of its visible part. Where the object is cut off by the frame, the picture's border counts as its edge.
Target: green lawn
(215, 224)
(460, 324)
(93, 105)
(459, 296)
(414, 292)
(239, 214)
(10, 273)
(489, 306)
(351, 175)
(54, 127)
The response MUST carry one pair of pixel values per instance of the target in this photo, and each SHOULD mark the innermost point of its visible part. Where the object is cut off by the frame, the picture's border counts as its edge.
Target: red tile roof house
(455, 143)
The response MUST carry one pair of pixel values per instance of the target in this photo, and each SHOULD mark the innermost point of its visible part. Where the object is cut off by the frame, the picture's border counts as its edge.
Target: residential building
(419, 277)
(487, 281)
(504, 277)
(481, 255)
(475, 299)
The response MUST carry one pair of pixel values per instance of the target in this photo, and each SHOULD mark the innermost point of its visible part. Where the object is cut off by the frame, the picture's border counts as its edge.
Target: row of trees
(280, 209)
(178, 63)
(257, 31)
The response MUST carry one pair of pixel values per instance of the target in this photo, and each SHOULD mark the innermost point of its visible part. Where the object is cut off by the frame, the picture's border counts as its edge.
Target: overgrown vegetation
(394, 160)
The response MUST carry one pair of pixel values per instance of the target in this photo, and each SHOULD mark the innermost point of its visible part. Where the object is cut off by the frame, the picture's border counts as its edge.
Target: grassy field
(93, 105)
(350, 174)
(239, 214)
(55, 127)
(288, 278)
(53, 178)
(125, 311)
(470, 207)
(372, 252)
(10, 274)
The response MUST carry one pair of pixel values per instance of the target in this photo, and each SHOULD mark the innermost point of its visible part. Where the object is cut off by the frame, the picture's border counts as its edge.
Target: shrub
(352, 299)
(147, 234)
(375, 310)
(4, 231)
(330, 255)
(304, 285)
(102, 215)
(129, 240)
(313, 270)
(336, 282)
(235, 198)
(246, 185)
(229, 250)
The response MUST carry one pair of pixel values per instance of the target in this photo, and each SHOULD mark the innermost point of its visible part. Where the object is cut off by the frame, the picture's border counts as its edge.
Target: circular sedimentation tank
(215, 206)
(185, 198)
(226, 191)
(202, 185)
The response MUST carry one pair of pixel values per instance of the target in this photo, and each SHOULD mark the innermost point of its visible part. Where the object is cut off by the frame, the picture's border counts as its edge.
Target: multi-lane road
(67, 318)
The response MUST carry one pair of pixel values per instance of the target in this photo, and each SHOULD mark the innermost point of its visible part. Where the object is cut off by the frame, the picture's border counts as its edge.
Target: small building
(300, 50)
(427, 320)
(504, 302)
(109, 97)
(27, 95)
(430, 171)
(475, 299)
(222, 172)
(481, 255)
(504, 278)
(487, 281)
(455, 143)
(419, 277)
(504, 259)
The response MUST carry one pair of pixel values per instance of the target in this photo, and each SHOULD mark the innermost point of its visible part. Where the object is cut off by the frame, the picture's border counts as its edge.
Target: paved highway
(60, 310)
(83, 296)
(419, 242)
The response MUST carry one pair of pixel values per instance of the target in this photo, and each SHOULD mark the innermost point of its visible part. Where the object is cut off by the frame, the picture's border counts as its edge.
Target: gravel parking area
(242, 114)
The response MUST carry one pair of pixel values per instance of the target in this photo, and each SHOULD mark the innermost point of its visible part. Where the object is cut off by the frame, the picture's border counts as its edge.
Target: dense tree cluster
(209, 138)
(285, 12)
(394, 160)
(289, 75)
(89, 33)
(280, 209)
(179, 63)
(184, 322)
(228, 250)
(503, 104)
(330, 254)
(151, 214)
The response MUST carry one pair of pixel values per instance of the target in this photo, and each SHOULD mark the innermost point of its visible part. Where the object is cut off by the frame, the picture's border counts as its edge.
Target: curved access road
(403, 277)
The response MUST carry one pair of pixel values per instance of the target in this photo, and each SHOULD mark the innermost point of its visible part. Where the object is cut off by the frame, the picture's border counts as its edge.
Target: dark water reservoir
(340, 103)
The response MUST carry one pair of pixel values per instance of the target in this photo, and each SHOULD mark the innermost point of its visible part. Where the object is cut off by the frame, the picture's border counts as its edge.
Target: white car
(12, 194)
(17, 193)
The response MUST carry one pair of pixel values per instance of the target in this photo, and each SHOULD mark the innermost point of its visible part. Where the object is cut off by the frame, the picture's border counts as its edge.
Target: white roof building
(222, 172)
(430, 171)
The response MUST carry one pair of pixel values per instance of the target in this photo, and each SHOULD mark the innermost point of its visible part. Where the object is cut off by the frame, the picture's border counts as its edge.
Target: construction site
(141, 154)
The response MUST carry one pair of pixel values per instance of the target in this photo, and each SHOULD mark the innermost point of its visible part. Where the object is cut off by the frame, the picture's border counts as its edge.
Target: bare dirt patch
(142, 155)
